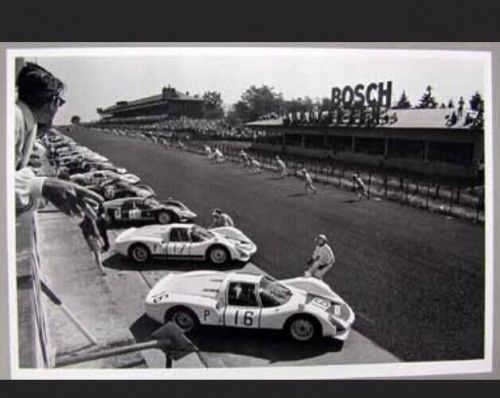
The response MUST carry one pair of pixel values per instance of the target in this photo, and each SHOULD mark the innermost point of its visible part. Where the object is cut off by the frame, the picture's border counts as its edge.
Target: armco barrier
(33, 338)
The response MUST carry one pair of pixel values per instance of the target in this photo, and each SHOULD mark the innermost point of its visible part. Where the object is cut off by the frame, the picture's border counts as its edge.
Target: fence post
(458, 194)
(341, 177)
(369, 182)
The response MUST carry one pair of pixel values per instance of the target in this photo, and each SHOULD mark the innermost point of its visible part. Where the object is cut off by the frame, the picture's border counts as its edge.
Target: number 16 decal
(247, 318)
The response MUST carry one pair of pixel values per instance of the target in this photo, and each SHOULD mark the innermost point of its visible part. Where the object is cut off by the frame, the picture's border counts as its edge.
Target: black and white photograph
(249, 212)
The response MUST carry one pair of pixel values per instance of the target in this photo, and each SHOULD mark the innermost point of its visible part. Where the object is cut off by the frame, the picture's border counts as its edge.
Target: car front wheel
(164, 217)
(218, 255)
(303, 328)
(139, 253)
(184, 318)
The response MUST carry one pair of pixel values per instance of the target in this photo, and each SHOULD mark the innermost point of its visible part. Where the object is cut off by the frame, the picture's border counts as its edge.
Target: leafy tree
(75, 119)
(428, 101)
(451, 104)
(258, 101)
(403, 102)
(213, 105)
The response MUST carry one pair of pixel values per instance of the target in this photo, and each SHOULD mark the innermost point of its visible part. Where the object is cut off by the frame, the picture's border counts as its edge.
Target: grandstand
(170, 103)
(424, 141)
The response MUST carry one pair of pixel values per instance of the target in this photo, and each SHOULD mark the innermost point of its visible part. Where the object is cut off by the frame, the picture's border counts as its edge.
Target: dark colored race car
(149, 210)
(119, 189)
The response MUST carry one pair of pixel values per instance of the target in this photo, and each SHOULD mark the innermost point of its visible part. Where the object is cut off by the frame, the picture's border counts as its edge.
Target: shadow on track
(271, 345)
(122, 263)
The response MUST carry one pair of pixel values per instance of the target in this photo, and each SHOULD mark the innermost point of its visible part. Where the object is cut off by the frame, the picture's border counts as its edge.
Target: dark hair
(37, 86)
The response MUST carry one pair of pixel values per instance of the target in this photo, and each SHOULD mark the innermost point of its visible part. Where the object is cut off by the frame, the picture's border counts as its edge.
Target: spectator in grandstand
(322, 258)
(93, 239)
(256, 166)
(220, 219)
(181, 145)
(451, 120)
(39, 98)
(281, 166)
(460, 109)
(309, 182)
(359, 186)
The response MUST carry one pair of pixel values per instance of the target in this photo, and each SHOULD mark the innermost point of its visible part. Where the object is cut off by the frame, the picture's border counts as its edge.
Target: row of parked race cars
(305, 308)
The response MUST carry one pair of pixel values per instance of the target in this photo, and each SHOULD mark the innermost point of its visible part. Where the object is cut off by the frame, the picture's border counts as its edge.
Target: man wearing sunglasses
(39, 98)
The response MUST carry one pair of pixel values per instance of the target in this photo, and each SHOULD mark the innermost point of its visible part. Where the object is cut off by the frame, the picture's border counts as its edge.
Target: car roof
(244, 277)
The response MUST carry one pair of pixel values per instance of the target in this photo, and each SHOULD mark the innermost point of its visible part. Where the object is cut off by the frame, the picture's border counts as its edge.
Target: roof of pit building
(406, 119)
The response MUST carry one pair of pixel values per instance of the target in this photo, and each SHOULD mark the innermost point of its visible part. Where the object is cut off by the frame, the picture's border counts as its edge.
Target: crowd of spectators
(197, 128)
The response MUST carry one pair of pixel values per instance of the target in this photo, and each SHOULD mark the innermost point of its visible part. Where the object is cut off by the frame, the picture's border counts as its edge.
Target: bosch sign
(375, 95)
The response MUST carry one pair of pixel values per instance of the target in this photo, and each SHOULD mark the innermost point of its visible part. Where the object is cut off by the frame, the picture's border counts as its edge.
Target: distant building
(170, 103)
(415, 140)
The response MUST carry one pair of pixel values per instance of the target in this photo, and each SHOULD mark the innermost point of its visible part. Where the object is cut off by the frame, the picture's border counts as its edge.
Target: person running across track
(309, 182)
(282, 167)
(256, 166)
(208, 151)
(244, 158)
(219, 157)
(322, 258)
(220, 219)
(359, 186)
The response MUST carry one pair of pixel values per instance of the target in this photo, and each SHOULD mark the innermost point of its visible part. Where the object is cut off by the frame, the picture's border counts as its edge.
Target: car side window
(179, 235)
(242, 294)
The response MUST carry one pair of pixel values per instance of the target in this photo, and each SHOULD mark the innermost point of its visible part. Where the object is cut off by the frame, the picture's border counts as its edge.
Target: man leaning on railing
(39, 98)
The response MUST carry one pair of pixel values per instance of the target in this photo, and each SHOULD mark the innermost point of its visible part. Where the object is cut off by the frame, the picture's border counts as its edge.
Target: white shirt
(28, 187)
(308, 178)
(324, 254)
(281, 164)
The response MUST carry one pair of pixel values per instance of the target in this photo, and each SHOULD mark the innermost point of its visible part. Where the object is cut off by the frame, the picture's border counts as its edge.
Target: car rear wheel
(139, 253)
(218, 255)
(303, 328)
(164, 217)
(184, 318)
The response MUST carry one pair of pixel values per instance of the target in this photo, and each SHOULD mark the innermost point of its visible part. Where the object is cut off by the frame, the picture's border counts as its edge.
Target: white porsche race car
(217, 246)
(99, 176)
(305, 308)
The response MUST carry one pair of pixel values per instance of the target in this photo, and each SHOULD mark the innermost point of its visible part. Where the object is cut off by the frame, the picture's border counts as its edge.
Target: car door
(242, 306)
(147, 210)
(127, 211)
(179, 243)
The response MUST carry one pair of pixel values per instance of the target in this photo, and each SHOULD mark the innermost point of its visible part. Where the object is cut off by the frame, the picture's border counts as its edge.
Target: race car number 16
(247, 319)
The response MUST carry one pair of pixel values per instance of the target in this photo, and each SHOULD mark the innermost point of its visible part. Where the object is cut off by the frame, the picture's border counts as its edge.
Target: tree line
(265, 100)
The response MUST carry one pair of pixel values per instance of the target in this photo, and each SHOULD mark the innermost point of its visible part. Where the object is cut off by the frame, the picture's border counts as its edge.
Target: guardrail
(33, 339)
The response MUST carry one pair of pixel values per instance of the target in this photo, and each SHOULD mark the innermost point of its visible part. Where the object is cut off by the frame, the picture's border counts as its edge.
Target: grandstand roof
(168, 94)
(406, 119)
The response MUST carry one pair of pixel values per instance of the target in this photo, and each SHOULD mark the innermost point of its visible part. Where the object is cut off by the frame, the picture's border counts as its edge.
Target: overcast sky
(100, 81)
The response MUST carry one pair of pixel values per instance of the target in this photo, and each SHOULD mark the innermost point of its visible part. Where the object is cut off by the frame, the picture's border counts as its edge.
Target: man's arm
(68, 197)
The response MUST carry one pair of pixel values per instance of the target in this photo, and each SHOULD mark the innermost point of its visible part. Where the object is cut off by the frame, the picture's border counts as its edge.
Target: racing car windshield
(272, 293)
(200, 234)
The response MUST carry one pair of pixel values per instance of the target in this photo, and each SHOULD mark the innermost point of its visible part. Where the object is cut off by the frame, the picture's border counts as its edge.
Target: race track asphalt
(415, 279)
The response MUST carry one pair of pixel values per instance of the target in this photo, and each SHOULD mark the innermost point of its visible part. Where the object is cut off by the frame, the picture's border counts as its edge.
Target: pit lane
(414, 279)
